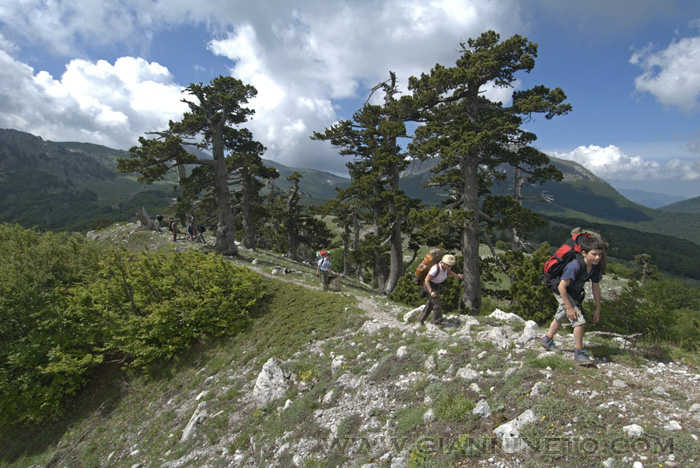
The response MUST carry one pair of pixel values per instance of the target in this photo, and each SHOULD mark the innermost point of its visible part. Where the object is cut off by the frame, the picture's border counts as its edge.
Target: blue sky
(106, 72)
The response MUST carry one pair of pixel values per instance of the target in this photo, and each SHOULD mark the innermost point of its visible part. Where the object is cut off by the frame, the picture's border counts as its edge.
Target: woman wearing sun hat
(434, 284)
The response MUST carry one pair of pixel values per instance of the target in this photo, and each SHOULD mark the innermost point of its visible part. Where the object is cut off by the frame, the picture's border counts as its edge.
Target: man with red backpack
(569, 292)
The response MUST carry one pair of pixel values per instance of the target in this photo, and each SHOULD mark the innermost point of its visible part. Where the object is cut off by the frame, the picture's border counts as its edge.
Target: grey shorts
(560, 316)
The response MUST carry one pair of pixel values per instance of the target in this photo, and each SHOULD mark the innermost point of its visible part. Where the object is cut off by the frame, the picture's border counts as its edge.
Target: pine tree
(468, 132)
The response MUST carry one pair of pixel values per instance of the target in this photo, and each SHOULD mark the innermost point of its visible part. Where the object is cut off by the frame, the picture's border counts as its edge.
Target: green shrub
(531, 298)
(406, 292)
(453, 406)
(66, 307)
(156, 304)
(47, 352)
(661, 310)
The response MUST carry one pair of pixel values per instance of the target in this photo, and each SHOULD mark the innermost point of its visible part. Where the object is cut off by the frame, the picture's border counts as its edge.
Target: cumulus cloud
(611, 163)
(671, 75)
(109, 104)
(304, 60)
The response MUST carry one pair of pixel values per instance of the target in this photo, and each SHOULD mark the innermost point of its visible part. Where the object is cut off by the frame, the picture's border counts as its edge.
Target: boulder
(198, 417)
(498, 314)
(468, 374)
(482, 409)
(633, 430)
(272, 382)
(511, 442)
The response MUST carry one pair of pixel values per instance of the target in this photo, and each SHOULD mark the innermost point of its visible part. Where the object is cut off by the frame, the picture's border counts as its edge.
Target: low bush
(66, 307)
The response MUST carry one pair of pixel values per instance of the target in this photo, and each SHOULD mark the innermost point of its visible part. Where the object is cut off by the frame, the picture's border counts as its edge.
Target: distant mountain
(75, 186)
(649, 199)
(686, 206)
(316, 185)
(68, 186)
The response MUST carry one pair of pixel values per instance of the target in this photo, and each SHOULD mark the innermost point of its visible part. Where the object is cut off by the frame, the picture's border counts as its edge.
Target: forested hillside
(686, 206)
(68, 186)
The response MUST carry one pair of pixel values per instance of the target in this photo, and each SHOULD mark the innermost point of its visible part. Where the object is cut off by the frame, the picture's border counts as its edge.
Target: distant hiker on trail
(200, 233)
(324, 268)
(172, 225)
(434, 285)
(570, 293)
(191, 232)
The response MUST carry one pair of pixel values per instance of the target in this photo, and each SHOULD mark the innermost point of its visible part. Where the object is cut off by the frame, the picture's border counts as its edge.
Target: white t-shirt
(439, 275)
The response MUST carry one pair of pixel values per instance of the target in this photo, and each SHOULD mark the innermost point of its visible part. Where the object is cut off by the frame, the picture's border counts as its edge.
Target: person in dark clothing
(570, 295)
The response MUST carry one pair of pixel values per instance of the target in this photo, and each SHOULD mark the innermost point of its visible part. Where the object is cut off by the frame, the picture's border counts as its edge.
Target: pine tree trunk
(470, 236)
(396, 241)
(249, 231)
(226, 228)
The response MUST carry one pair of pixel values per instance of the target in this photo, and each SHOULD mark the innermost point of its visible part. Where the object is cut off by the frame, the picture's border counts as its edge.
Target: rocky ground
(478, 392)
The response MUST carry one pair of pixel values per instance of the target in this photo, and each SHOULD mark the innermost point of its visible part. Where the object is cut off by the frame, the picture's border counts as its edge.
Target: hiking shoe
(581, 357)
(549, 344)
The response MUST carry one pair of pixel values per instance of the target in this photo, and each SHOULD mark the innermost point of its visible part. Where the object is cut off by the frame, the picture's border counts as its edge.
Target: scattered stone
(337, 363)
(468, 374)
(482, 409)
(198, 417)
(496, 336)
(413, 314)
(401, 352)
(528, 336)
(430, 364)
(619, 383)
(511, 442)
(429, 416)
(673, 426)
(695, 408)
(328, 397)
(537, 388)
(272, 383)
(498, 314)
(399, 461)
(633, 430)
(546, 354)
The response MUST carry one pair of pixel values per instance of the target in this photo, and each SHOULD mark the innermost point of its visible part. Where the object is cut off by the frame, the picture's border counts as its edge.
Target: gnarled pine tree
(467, 131)
(212, 125)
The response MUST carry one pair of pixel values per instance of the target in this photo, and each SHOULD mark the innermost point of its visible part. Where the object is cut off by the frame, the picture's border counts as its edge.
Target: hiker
(434, 284)
(191, 232)
(172, 225)
(324, 268)
(200, 233)
(570, 294)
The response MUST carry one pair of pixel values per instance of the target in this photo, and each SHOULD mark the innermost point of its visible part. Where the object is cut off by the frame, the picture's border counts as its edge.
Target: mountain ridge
(582, 195)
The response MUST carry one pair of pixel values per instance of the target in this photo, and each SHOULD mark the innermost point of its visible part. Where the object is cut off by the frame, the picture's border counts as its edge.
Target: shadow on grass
(97, 399)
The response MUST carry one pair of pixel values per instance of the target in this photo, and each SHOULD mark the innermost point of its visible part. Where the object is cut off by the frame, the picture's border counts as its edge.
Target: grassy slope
(120, 414)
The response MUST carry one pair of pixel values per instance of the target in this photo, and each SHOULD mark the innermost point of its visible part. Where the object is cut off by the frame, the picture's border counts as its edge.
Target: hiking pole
(459, 299)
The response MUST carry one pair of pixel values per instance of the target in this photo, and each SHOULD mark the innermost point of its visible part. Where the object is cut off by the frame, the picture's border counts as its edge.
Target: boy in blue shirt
(582, 268)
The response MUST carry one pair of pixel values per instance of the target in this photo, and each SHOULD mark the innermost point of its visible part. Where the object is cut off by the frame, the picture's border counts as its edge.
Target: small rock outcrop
(272, 383)
(198, 417)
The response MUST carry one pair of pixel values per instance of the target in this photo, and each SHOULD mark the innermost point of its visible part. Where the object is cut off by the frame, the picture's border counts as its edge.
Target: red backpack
(554, 267)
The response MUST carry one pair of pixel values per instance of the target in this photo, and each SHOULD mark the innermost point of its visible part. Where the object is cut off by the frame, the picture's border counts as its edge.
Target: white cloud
(304, 59)
(96, 102)
(671, 75)
(611, 163)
